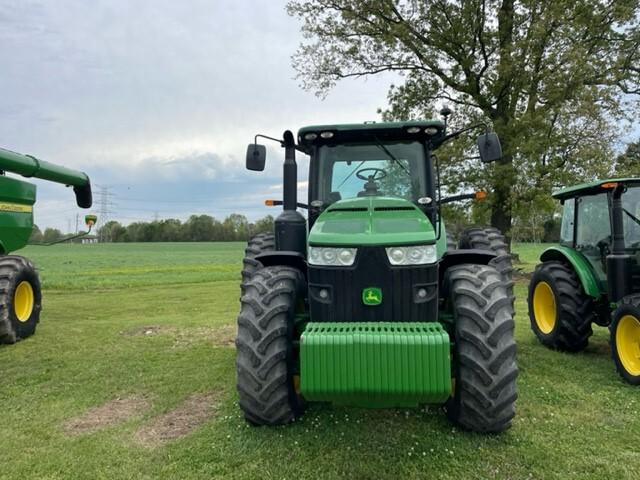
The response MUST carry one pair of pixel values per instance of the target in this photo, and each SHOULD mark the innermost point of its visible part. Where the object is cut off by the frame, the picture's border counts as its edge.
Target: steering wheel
(604, 246)
(360, 174)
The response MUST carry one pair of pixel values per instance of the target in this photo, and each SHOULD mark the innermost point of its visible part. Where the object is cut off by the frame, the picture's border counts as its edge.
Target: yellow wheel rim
(628, 344)
(23, 301)
(544, 307)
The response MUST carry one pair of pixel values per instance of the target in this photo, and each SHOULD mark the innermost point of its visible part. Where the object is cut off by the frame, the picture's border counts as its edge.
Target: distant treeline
(198, 228)
(204, 228)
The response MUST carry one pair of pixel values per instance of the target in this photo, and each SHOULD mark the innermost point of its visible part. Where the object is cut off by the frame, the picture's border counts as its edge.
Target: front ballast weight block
(376, 365)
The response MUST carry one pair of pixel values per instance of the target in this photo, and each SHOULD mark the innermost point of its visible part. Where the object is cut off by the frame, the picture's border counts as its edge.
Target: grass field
(131, 375)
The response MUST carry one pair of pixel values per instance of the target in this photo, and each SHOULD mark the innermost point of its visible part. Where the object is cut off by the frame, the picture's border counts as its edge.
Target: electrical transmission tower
(104, 200)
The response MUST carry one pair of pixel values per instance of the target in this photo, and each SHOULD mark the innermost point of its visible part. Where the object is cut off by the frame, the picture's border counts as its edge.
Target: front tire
(484, 351)
(625, 339)
(560, 311)
(20, 299)
(265, 359)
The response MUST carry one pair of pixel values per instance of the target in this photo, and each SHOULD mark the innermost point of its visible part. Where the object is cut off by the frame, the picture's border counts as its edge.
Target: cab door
(593, 232)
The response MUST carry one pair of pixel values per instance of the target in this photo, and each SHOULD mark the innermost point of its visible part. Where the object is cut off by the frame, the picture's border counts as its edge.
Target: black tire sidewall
(468, 389)
(281, 317)
(620, 312)
(541, 275)
(24, 329)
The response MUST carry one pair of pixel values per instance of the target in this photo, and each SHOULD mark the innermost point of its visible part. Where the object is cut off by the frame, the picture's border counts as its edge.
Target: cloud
(159, 99)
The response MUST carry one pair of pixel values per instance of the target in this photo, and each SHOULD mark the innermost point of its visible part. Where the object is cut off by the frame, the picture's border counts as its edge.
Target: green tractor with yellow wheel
(366, 301)
(20, 294)
(593, 276)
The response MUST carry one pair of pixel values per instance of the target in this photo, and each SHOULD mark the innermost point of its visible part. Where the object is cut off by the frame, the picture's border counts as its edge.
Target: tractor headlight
(414, 255)
(331, 256)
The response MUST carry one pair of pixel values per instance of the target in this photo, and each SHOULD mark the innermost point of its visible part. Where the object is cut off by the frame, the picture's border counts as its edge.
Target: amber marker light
(609, 185)
(481, 195)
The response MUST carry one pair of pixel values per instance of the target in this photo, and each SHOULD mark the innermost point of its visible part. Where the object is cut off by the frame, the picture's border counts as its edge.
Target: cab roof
(594, 187)
(355, 131)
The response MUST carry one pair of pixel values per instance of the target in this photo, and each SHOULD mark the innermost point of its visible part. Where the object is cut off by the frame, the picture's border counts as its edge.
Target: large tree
(554, 77)
(628, 162)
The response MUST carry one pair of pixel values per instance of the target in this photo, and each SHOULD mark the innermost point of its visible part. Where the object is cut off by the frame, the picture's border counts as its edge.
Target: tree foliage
(51, 235)
(36, 235)
(553, 77)
(628, 162)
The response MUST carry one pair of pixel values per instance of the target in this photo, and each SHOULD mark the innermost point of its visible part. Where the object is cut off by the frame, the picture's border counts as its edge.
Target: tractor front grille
(401, 287)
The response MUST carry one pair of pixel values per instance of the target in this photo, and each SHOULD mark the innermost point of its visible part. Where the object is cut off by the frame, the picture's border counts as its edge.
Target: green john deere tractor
(593, 276)
(20, 295)
(362, 303)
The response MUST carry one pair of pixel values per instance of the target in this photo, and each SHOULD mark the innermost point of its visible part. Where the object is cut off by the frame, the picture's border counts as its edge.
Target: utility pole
(77, 218)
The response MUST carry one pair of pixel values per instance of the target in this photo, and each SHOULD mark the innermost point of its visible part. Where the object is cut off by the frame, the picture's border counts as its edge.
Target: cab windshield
(631, 217)
(395, 169)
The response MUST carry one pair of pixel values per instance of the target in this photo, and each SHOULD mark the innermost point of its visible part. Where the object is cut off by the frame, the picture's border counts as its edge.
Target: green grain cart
(20, 295)
(362, 302)
(593, 276)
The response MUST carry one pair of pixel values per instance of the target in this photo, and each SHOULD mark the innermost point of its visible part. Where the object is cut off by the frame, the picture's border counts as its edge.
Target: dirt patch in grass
(111, 413)
(181, 421)
(146, 330)
(223, 336)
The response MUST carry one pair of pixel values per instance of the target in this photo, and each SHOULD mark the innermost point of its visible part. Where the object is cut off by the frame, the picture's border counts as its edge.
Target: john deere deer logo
(372, 296)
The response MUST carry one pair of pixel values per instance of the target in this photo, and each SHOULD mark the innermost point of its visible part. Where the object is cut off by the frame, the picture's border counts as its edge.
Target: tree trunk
(501, 207)
(503, 180)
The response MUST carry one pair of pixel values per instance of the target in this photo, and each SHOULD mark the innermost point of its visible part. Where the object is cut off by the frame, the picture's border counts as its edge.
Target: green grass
(575, 418)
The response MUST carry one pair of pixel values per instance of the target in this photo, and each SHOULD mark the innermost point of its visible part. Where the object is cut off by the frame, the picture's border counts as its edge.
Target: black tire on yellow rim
(23, 301)
(544, 307)
(625, 339)
(628, 343)
(560, 311)
(21, 298)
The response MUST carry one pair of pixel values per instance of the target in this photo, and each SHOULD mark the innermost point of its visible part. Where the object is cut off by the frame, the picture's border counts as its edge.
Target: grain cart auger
(593, 276)
(20, 295)
(361, 303)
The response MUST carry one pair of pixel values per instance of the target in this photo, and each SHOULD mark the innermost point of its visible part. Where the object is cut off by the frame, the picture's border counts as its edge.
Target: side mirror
(489, 147)
(256, 156)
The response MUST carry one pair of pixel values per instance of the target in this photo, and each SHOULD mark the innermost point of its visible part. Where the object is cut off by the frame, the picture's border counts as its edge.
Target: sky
(156, 100)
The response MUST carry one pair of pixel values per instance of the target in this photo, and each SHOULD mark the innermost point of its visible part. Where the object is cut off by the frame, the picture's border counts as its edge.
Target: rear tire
(260, 243)
(490, 238)
(451, 242)
(20, 298)
(265, 354)
(484, 351)
(560, 311)
(625, 339)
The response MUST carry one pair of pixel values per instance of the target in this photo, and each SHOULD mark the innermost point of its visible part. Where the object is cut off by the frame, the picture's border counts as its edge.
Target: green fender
(580, 264)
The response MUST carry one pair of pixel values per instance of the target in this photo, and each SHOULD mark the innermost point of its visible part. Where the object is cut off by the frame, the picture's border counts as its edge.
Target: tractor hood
(372, 221)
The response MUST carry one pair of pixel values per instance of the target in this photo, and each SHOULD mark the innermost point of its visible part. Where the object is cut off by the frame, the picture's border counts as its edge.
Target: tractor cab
(593, 276)
(601, 221)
